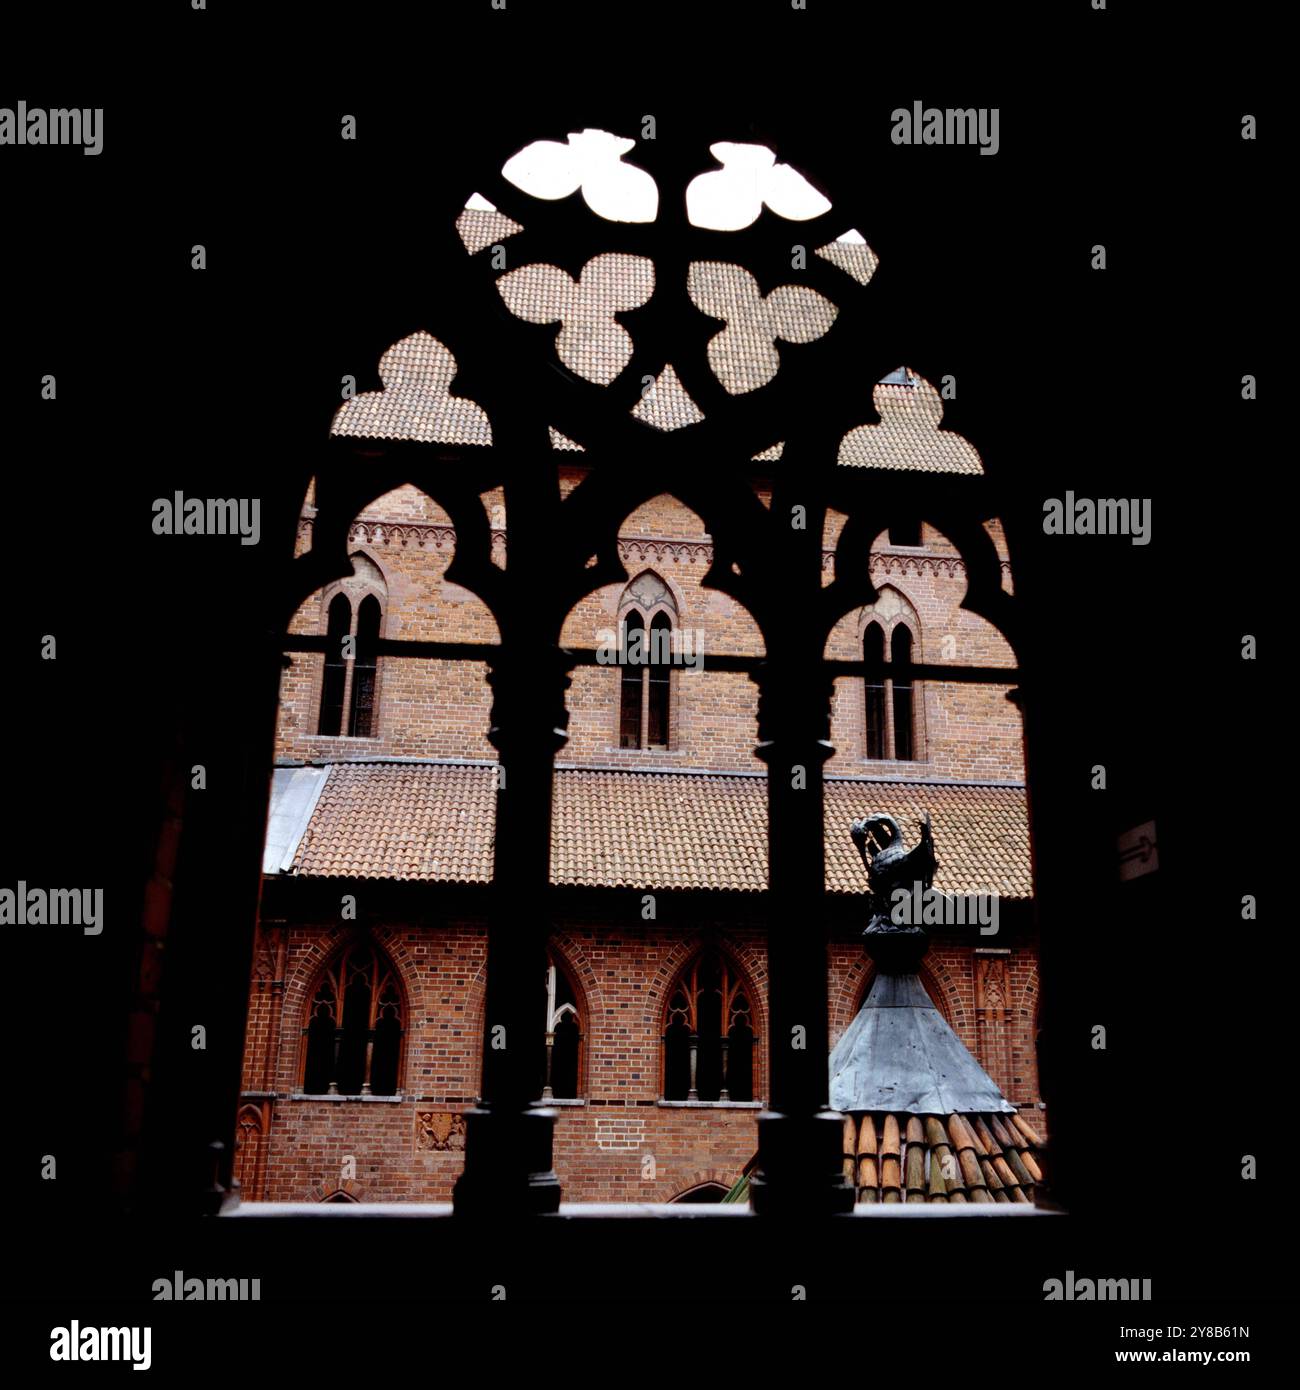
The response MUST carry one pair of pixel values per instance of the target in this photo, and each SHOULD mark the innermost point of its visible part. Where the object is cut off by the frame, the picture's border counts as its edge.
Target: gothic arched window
(646, 616)
(891, 707)
(873, 650)
(709, 1034)
(349, 689)
(658, 681)
(562, 1071)
(353, 1037)
(631, 685)
(365, 667)
(900, 654)
(338, 625)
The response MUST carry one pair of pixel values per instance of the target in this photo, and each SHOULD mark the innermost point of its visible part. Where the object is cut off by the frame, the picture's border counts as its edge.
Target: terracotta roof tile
(743, 354)
(667, 405)
(416, 401)
(590, 341)
(480, 227)
(943, 1159)
(908, 436)
(660, 830)
(423, 821)
(562, 441)
(853, 258)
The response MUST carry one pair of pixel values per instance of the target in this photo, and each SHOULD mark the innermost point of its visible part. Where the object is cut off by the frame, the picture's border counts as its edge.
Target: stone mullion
(349, 666)
(887, 686)
(333, 1088)
(645, 701)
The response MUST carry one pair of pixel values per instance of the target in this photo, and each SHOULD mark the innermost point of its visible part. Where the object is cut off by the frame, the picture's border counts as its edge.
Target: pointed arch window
(365, 668)
(798, 958)
(900, 654)
(647, 614)
(353, 1036)
(658, 675)
(631, 684)
(562, 1072)
(349, 689)
(338, 625)
(891, 708)
(709, 1035)
(873, 650)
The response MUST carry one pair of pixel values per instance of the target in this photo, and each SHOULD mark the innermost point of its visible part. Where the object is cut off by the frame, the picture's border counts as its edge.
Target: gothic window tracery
(349, 687)
(647, 616)
(709, 1035)
(705, 1039)
(891, 704)
(353, 1036)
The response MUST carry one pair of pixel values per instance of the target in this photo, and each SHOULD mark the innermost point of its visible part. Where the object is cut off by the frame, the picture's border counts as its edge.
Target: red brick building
(366, 1027)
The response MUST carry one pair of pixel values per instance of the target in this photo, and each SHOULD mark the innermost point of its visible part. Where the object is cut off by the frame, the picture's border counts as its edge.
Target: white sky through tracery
(724, 199)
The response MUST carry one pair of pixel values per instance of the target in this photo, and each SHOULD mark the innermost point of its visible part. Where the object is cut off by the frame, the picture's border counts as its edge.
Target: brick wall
(621, 1144)
(440, 709)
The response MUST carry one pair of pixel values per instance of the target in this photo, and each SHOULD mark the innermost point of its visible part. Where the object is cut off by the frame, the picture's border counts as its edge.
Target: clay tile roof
(853, 258)
(424, 821)
(909, 435)
(667, 405)
(743, 353)
(416, 401)
(433, 822)
(480, 227)
(591, 340)
(943, 1159)
(981, 832)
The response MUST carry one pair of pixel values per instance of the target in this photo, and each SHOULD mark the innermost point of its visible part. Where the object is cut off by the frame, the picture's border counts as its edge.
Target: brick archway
(349, 1190)
(573, 960)
(682, 1184)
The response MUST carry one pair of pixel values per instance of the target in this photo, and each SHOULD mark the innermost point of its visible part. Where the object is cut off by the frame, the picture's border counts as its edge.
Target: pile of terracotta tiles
(926, 1158)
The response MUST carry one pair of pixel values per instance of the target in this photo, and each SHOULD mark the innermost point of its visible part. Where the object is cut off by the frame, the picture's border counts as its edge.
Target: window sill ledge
(710, 1104)
(652, 750)
(333, 1100)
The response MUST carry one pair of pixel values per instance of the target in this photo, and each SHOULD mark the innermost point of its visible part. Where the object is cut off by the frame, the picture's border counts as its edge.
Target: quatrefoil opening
(744, 354)
(591, 342)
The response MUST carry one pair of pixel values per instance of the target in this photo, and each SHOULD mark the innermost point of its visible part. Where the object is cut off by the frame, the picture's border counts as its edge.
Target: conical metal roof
(900, 1055)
